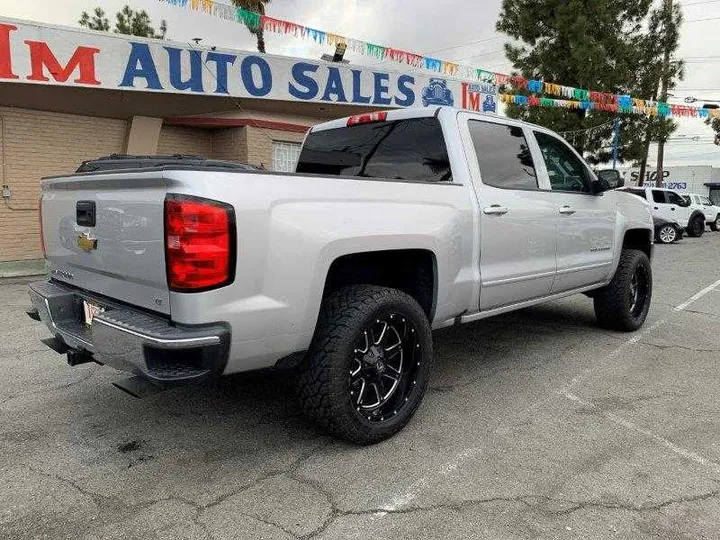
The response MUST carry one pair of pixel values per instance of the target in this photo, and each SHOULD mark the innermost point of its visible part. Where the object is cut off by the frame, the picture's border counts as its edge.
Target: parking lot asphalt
(536, 424)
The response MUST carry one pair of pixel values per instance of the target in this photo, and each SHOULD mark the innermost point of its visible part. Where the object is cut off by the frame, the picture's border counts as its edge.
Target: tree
(589, 44)
(256, 6)
(660, 43)
(128, 22)
(98, 21)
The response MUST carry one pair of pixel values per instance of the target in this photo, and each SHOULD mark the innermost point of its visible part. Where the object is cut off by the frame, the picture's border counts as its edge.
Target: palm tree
(257, 6)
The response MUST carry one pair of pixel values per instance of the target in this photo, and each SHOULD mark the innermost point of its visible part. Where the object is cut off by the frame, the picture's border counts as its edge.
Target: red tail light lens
(369, 118)
(199, 243)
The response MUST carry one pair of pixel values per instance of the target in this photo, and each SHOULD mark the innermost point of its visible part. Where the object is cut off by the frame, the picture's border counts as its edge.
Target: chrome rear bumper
(130, 339)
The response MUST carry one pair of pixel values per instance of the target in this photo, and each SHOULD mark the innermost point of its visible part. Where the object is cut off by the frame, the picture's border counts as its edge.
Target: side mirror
(613, 178)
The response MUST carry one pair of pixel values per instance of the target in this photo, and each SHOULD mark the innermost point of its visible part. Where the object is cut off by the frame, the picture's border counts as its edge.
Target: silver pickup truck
(395, 224)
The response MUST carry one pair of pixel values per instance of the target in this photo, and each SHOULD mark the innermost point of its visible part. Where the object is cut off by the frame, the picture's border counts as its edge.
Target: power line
(700, 20)
(466, 44)
(698, 3)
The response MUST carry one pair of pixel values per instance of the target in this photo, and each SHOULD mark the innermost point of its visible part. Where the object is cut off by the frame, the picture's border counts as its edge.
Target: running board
(138, 387)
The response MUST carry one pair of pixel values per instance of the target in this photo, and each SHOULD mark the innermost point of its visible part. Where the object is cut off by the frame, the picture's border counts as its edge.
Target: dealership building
(68, 95)
(701, 179)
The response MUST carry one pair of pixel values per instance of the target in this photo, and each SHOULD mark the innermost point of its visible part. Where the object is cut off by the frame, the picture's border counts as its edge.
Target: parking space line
(632, 426)
(698, 296)
(412, 491)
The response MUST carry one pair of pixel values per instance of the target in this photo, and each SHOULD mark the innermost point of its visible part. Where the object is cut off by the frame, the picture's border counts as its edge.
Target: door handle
(656, 208)
(567, 210)
(672, 208)
(495, 210)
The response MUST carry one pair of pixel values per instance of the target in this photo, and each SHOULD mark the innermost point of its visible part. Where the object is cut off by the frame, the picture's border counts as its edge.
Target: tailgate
(105, 233)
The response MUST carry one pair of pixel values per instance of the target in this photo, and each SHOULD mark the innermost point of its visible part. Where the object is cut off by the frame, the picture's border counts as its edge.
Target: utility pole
(616, 141)
(664, 83)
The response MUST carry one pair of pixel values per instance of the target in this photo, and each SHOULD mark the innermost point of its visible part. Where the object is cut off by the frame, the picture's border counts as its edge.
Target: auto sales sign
(39, 54)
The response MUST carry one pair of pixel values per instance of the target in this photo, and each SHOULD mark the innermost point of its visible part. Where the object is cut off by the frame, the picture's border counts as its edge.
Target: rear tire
(624, 303)
(696, 227)
(715, 224)
(667, 234)
(368, 365)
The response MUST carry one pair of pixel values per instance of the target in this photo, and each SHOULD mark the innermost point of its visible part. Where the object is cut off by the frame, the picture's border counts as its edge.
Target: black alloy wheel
(384, 368)
(639, 289)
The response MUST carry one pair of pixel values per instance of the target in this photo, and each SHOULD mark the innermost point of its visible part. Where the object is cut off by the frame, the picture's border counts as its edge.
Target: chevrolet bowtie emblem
(86, 242)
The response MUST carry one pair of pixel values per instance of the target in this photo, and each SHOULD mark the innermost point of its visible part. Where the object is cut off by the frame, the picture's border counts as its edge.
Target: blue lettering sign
(307, 87)
(248, 79)
(140, 64)
(382, 87)
(221, 69)
(194, 83)
(334, 86)
(405, 83)
(357, 88)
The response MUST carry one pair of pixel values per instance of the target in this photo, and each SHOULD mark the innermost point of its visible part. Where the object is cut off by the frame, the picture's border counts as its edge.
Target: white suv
(669, 205)
(709, 209)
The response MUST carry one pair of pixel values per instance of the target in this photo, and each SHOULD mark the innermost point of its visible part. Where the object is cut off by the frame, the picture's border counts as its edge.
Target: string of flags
(643, 107)
(572, 98)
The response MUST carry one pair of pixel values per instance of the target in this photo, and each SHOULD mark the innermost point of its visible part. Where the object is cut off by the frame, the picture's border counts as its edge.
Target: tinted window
(674, 198)
(411, 149)
(659, 196)
(503, 155)
(567, 172)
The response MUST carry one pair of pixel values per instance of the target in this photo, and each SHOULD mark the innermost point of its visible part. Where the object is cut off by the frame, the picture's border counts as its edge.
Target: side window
(706, 201)
(674, 198)
(503, 155)
(638, 192)
(659, 196)
(566, 171)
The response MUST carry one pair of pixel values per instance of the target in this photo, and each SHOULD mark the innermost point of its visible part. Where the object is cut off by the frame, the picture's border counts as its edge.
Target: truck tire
(624, 303)
(715, 224)
(696, 227)
(367, 368)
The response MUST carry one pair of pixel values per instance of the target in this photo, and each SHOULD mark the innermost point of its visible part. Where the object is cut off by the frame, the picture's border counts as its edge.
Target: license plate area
(90, 311)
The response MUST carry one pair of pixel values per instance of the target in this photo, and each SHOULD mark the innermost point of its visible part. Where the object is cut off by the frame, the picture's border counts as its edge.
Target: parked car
(670, 205)
(667, 232)
(709, 209)
(395, 223)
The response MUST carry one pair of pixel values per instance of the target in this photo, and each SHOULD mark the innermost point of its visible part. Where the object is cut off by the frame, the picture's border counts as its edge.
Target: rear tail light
(42, 236)
(369, 118)
(199, 243)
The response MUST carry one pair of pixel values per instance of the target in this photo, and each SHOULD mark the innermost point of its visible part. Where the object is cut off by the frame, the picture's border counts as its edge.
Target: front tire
(368, 365)
(667, 234)
(624, 303)
(696, 227)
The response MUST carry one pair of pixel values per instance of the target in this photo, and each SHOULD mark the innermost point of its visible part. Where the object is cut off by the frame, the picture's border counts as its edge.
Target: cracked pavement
(537, 424)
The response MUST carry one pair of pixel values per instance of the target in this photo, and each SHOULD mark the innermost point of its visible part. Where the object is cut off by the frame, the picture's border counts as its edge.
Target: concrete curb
(15, 269)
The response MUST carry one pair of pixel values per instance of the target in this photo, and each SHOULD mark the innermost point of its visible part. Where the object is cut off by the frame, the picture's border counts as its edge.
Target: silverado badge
(86, 242)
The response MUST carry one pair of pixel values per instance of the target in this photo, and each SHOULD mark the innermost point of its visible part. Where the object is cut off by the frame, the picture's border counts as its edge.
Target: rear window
(412, 149)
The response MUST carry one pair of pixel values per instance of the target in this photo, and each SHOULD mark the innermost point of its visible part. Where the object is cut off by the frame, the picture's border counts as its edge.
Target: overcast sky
(464, 33)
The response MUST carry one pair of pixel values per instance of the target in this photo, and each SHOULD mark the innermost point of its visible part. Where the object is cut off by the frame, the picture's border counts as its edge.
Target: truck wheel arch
(413, 271)
(640, 239)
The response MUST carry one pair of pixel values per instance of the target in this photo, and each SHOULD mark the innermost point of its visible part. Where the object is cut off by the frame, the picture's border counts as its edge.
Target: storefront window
(285, 156)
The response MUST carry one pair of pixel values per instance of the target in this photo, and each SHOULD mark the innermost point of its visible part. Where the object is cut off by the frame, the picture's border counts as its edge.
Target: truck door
(586, 221)
(662, 207)
(518, 220)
